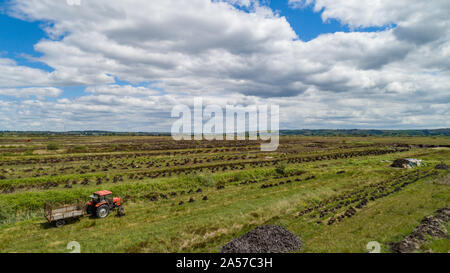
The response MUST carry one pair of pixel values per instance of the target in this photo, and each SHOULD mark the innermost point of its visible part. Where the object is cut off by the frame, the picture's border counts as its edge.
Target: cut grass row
(35, 199)
(40, 181)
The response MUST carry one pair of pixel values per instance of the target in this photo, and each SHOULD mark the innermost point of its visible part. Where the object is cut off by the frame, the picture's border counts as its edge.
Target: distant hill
(83, 133)
(356, 132)
(302, 132)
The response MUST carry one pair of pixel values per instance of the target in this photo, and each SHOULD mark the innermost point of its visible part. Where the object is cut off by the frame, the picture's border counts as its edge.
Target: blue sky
(388, 58)
(17, 40)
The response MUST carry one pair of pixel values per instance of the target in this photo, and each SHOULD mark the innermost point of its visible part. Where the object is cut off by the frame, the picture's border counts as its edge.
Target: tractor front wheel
(121, 211)
(102, 211)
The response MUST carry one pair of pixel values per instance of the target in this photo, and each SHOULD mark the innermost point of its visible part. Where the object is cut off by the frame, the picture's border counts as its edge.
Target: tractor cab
(102, 202)
(101, 196)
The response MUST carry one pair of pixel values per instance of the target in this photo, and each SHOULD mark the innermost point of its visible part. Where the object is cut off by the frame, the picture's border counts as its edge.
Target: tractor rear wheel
(102, 211)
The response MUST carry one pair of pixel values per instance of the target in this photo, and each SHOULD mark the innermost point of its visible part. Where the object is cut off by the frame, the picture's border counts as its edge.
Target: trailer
(60, 215)
(101, 204)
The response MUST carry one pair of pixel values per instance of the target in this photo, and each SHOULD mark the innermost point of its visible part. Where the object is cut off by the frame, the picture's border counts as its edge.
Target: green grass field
(245, 188)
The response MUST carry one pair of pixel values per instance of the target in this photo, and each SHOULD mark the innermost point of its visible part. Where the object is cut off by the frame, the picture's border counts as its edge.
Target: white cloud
(39, 92)
(378, 12)
(12, 75)
(212, 49)
(122, 90)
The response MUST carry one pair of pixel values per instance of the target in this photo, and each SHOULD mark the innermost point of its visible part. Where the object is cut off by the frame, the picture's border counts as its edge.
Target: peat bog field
(335, 193)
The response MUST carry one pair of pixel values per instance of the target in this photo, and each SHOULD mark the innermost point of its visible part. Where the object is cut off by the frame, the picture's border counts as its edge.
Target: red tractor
(102, 202)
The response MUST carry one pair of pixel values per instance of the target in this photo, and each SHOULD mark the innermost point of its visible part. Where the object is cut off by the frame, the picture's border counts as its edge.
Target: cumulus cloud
(39, 92)
(122, 90)
(376, 13)
(214, 49)
(12, 75)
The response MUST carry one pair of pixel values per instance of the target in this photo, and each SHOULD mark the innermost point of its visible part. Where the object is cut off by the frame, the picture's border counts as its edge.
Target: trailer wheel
(60, 223)
(102, 211)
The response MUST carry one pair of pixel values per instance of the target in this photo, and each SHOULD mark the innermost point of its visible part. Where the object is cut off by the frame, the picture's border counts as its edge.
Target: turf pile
(400, 163)
(441, 166)
(264, 239)
(434, 226)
